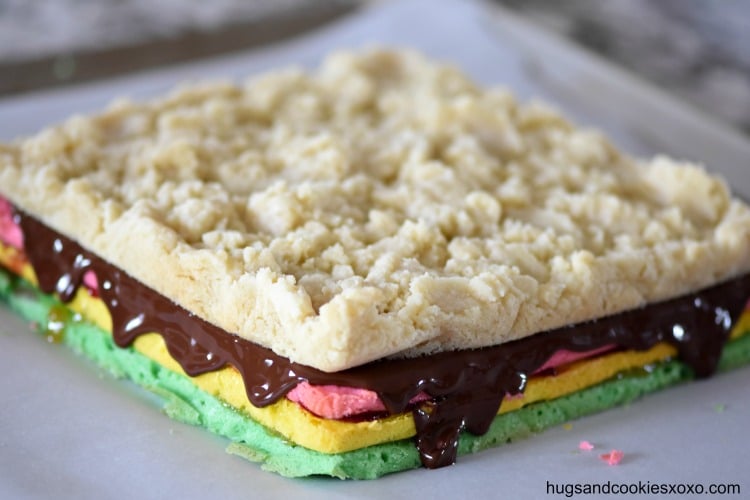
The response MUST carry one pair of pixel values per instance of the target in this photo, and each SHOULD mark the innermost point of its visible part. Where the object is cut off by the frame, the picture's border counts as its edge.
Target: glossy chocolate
(467, 386)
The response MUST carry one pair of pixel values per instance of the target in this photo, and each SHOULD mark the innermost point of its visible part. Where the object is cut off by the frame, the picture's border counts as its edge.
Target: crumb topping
(381, 205)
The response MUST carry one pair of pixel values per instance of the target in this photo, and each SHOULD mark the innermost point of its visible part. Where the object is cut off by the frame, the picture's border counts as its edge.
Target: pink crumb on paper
(585, 446)
(613, 457)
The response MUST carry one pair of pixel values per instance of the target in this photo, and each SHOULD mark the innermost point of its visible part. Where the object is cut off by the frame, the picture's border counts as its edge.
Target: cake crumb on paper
(614, 457)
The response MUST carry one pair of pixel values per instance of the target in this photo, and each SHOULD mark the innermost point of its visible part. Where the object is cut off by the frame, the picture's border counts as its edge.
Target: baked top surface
(381, 205)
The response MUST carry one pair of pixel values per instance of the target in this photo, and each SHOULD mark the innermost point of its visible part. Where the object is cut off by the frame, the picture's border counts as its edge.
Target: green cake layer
(185, 402)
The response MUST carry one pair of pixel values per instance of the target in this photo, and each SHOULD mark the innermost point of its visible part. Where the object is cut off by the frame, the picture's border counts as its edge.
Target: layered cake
(375, 266)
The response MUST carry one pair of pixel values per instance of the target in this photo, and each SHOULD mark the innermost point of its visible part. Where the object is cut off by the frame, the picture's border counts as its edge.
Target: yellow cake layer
(333, 436)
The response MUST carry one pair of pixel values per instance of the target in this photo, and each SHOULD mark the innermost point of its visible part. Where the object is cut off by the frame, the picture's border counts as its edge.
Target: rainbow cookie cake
(371, 267)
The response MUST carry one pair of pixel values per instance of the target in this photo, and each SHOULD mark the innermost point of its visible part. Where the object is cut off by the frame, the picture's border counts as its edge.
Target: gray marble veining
(695, 49)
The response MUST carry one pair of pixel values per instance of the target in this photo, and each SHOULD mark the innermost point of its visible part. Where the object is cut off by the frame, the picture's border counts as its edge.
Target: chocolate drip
(467, 386)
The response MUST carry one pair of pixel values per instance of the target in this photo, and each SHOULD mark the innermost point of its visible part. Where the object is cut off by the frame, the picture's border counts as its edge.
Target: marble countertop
(696, 50)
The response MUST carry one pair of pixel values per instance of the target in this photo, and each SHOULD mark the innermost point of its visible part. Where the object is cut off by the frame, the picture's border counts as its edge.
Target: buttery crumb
(381, 205)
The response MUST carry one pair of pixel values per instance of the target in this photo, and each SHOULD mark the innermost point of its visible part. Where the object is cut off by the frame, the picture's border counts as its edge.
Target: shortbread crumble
(382, 205)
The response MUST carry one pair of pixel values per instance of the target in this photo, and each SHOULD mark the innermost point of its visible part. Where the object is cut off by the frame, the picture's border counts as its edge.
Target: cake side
(255, 442)
(383, 205)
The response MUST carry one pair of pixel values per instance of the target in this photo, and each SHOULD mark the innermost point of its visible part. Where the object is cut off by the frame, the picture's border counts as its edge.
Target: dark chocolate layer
(467, 386)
